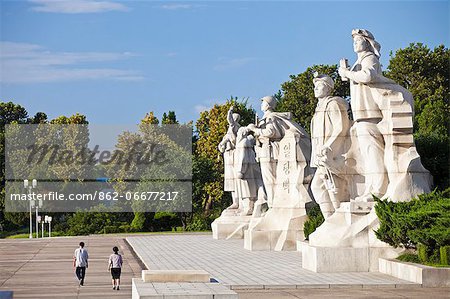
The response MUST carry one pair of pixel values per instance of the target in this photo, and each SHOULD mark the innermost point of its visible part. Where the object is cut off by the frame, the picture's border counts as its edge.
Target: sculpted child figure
(330, 127)
(227, 147)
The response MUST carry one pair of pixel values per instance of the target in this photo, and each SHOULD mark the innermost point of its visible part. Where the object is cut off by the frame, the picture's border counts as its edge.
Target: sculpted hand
(251, 127)
(343, 72)
(240, 175)
(323, 156)
(325, 151)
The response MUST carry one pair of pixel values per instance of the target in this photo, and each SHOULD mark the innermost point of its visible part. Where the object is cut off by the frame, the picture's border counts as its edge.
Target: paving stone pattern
(232, 265)
(42, 268)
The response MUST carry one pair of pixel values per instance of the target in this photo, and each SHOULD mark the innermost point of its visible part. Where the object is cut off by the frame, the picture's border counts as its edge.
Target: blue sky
(116, 60)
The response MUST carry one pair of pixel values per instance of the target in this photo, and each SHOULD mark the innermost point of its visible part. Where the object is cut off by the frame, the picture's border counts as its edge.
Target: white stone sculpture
(242, 178)
(249, 185)
(383, 148)
(227, 147)
(330, 128)
(283, 150)
(383, 114)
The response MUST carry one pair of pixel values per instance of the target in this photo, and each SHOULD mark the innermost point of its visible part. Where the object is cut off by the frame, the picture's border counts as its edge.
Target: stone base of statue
(346, 242)
(279, 230)
(230, 224)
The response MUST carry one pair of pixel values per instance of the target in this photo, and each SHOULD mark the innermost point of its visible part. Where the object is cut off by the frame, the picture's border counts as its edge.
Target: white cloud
(29, 63)
(181, 6)
(76, 6)
(232, 63)
(175, 6)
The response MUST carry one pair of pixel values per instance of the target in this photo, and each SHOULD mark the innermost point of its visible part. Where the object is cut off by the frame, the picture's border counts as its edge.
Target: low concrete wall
(342, 259)
(425, 275)
(175, 276)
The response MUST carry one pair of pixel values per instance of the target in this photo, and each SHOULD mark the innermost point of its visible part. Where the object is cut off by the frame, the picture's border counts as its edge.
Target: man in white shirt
(80, 262)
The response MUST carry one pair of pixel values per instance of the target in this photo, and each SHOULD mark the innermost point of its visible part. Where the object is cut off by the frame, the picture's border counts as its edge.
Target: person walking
(115, 266)
(80, 262)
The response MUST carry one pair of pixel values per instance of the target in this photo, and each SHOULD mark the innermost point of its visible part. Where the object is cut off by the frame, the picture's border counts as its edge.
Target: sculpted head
(323, 85)
(268, 103)
(360, 44)
(363, 40)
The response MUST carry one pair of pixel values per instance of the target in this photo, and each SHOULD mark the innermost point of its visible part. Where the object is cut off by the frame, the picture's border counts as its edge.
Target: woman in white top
(115, 266)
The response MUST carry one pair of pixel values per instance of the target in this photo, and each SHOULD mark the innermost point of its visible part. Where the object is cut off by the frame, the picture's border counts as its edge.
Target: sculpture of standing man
(330, 128)
(269, 133)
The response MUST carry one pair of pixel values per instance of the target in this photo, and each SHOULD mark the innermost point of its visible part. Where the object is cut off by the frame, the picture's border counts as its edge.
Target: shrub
(126, 228)
(444, 253)
(424, 220)
(110, 229)
(139, 221)
(422, 253)
(165, 221)
(409, 257)
(315, 219)
(200, 222)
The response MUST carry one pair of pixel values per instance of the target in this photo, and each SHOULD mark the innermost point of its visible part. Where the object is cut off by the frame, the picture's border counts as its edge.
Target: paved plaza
(43, 269)
(230, 264)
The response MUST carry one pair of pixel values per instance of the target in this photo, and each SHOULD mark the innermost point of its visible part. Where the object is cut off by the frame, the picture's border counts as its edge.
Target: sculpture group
(355, 152)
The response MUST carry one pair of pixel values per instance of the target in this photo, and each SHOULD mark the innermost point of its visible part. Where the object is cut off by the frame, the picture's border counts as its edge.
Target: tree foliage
(297, 94)
(169, 118)
(11, 113)
(424, 220)
(425, 73)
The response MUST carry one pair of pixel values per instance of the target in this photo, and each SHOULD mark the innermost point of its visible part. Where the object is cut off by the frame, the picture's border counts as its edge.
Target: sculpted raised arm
(230, 116)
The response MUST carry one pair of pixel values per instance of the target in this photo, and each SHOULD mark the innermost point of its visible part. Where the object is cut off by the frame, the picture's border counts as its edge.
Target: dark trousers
(80, 272)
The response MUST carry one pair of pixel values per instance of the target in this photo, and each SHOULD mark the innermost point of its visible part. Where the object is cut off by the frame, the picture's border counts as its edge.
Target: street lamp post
(40, 220)
(37, 224)
(48, 219)
(27, 186)
(49, 226)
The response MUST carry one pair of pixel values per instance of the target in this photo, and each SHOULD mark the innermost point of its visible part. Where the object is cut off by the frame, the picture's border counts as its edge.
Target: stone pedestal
(345, 242)
(351, 225)
(230, 225)
(279, 229)
(272, 239)
(343, 259)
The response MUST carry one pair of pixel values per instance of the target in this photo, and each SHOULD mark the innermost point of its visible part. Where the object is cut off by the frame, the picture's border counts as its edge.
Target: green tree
(211, 127)
(297, 94)
(178, 153)
(150, 118)
(169, 119)
(12, 113)
(75, 119)
(425, 73)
